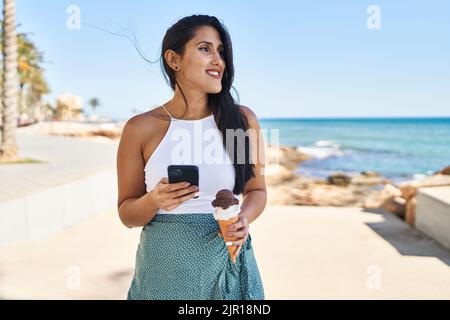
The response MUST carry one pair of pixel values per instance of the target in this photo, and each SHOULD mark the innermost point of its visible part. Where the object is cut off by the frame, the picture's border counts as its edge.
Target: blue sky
(292, 58)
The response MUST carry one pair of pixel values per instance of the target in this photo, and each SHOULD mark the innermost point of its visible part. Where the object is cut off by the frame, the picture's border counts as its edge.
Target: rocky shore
(286, 187)
(369, 190)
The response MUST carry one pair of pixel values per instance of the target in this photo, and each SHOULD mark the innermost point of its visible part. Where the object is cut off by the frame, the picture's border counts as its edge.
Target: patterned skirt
(181, 257)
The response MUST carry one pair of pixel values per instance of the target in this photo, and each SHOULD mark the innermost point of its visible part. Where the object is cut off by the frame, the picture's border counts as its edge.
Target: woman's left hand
(238, 230)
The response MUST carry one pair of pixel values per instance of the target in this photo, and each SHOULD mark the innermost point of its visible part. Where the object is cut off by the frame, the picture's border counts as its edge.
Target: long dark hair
(227, 113)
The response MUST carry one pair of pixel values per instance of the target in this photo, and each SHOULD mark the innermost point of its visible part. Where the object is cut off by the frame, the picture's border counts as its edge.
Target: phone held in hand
(182, 173)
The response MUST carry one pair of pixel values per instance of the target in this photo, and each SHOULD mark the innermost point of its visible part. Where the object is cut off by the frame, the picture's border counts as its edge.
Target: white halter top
(192, 142)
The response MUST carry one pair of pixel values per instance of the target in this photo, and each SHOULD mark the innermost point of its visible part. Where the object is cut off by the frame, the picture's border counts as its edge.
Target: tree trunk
(20, 104)
(8, 147)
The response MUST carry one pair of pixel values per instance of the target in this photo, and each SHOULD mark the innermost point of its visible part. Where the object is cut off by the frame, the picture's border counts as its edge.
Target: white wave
(326, 143)
(321, 152)
(418, 176)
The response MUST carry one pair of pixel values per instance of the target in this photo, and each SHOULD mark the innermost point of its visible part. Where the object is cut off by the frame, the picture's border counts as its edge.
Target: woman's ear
(172, 59)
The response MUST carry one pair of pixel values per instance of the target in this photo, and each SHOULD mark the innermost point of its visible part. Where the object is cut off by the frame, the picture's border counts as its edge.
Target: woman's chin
(215, 90)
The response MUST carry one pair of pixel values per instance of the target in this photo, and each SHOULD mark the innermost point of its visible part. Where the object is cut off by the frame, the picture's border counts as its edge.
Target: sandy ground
(302, 252)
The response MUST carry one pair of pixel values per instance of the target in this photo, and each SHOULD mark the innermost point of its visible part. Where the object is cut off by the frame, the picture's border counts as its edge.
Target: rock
(369, 180)
(371, 174)
(327, 195)
(378, 198)
(303, 197)
(408, 191)
(315, 195)
(339, 179)
(285, 187)
(428, 181)
(362, 191)
(445, 171)
(286, 156)
(395, 205)
(301, 181)
(410, 215)
(276, 174)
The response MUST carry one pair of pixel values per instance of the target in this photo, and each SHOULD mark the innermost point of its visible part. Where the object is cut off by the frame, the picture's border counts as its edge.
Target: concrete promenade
(302, 253)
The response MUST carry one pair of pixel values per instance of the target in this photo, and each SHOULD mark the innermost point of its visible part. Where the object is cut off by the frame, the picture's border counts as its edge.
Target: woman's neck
(197, 104)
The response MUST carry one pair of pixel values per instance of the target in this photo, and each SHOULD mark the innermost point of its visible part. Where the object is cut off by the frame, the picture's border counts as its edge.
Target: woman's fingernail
(197, 194)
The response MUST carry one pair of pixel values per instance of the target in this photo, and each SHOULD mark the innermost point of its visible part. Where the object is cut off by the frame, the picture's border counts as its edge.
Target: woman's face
(203, 55)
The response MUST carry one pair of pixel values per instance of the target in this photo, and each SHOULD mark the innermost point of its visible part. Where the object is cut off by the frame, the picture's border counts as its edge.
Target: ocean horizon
(399, 148)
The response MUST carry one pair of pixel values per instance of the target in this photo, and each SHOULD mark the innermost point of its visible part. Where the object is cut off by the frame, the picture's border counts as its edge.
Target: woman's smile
(214, 74)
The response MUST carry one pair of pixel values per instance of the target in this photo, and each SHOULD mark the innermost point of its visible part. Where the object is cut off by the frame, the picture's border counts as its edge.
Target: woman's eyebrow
(207, 42)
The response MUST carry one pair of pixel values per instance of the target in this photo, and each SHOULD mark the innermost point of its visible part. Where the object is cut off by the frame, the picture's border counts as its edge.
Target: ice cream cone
(223, 224)
(226, 212)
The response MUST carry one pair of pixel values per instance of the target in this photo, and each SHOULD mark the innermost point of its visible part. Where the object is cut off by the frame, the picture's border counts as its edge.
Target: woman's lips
(214, 76)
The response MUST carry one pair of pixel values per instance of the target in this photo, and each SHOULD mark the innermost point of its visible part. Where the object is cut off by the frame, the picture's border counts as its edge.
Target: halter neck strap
(168, 112)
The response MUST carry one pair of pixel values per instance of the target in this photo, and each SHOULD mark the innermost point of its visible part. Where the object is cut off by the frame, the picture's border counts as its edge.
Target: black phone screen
(182, 173)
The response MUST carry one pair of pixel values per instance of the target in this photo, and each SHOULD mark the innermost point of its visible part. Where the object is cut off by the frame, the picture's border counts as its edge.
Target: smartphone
(182, 173)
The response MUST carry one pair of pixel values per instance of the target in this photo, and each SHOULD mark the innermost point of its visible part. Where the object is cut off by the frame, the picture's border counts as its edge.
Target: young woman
(182, 254)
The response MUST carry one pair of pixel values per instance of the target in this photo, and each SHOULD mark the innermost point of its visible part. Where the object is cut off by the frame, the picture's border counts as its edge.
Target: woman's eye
(220, 52)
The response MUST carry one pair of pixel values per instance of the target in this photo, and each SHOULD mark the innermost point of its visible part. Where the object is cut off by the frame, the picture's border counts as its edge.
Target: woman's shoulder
(247, 111)
(143, 127)
(149, 121)
(149, 128)
(250, 115)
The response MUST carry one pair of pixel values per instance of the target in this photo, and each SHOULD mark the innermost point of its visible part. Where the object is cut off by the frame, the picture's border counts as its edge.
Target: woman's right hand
(168, 196)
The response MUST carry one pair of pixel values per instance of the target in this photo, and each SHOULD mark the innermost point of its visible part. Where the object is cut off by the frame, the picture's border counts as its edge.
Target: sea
(398, 148)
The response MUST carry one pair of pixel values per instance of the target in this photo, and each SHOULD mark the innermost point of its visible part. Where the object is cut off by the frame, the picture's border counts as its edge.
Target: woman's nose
(218, 57)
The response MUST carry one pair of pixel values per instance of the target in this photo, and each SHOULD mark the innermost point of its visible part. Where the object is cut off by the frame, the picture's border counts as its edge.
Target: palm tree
(30, 75)
(32, 85)
(8, 147)
(36, 88)
(94, 103)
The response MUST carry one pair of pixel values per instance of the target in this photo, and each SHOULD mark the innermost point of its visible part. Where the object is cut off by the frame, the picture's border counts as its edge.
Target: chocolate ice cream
(224, 199)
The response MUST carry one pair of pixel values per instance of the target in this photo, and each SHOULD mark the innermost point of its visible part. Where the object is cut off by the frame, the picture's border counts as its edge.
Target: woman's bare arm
(255, 193)
(135, 205)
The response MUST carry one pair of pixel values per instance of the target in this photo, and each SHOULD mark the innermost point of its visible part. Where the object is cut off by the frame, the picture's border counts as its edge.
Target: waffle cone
(223, 224)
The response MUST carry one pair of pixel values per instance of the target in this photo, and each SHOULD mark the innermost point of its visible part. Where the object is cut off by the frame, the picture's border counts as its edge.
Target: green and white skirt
(181, 257)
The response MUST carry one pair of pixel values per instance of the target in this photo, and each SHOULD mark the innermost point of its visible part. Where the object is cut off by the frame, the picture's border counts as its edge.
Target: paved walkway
(303, 253)
(68, 159)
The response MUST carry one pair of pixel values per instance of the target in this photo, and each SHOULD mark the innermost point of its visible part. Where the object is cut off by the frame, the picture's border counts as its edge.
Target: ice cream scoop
(224, 199)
